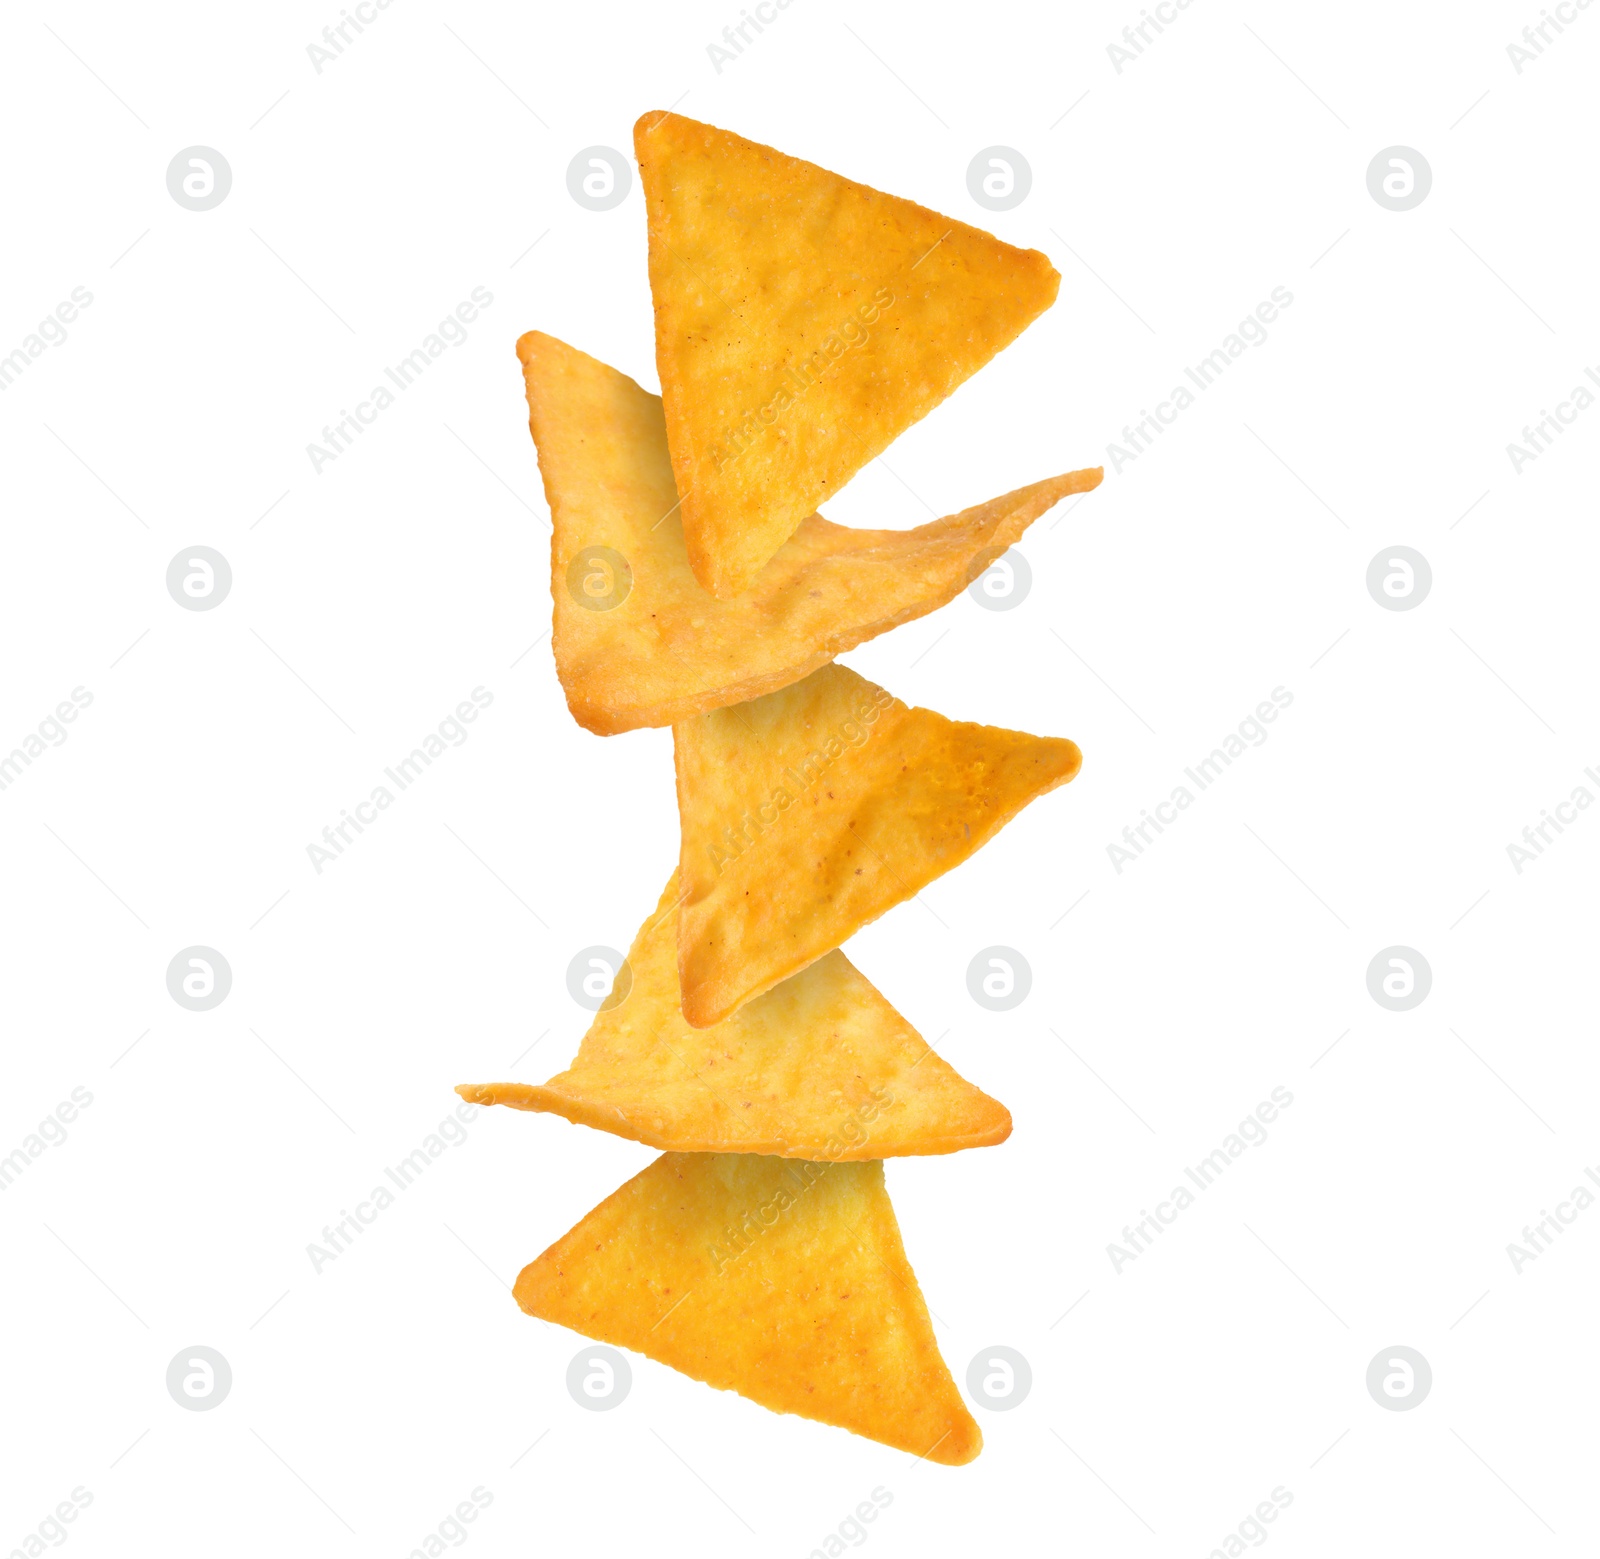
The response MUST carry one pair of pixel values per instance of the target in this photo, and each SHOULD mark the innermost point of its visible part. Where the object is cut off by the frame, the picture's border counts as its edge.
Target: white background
(367, 202)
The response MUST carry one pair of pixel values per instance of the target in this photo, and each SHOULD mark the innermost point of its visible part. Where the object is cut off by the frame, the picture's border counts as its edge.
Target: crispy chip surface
(782, 1280)
(809, 812)
(803, 322)
(637, 640)
(821, 1067)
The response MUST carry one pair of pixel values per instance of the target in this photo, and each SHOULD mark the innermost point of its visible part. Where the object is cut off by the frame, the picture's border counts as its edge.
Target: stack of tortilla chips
(802, 323)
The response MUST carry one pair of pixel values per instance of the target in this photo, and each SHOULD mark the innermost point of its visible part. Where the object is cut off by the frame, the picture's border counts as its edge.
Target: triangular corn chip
(637, 640)
(803, 322)
(781, 1280)
(821, 1067)
(809, 812)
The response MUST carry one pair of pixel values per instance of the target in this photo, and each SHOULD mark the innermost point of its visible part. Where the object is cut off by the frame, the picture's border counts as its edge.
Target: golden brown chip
(637, 640)
(821, 1067)
(781, 1280)
(809, 812)
(803, 322)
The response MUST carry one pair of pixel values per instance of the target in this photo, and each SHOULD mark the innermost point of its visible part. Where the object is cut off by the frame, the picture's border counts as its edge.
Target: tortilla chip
(821, 1067)
(803, 322)
(809, 812)
(660, 648)
(783, 1281)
